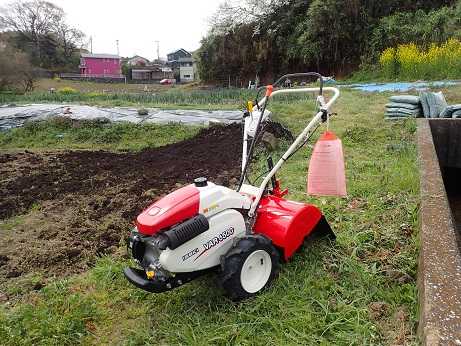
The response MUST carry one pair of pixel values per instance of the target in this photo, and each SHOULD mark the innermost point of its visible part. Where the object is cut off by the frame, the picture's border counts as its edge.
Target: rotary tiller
(244, 233)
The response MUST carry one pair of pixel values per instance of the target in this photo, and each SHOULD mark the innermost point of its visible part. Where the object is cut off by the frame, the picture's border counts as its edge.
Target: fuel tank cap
(201, 182)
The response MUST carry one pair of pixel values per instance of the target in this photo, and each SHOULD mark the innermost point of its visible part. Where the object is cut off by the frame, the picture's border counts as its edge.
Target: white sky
(137, 24)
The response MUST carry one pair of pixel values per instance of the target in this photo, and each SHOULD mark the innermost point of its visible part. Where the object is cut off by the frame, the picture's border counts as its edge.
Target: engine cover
(175, 207)
(188, 202)
(204, 251)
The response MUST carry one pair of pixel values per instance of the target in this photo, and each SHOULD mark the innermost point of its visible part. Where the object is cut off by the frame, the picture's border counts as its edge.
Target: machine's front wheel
(249, 266)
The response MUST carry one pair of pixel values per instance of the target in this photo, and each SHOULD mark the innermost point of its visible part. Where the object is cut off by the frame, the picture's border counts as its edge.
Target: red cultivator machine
(244, 233)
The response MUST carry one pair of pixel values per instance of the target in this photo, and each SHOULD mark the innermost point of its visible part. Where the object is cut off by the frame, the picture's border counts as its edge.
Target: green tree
(329, 36)
(16, 72)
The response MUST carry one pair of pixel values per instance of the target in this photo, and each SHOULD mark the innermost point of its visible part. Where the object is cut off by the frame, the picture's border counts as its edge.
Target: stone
(377, 310)
(270, 141)
(143, 111)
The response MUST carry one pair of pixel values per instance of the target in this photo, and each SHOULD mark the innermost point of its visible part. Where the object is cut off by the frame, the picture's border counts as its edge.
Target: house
(186, 69)
(137, 61)
(100, 65)
(173, 57)
(180, 53)
(154, 73)
(183, 64)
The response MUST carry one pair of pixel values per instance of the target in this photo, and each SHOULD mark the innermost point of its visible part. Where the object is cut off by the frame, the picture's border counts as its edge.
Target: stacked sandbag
(434, 104)
(453, 111)
(403, 106)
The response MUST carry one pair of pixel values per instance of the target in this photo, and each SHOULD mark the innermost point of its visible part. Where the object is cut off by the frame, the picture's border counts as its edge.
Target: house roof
(179, 50)
(137, 57)
(100, 56)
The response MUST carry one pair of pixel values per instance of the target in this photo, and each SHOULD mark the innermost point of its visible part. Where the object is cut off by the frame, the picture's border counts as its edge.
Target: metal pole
(158, 50)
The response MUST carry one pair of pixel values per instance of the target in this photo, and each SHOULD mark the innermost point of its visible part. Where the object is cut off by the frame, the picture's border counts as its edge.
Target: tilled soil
(76, 205)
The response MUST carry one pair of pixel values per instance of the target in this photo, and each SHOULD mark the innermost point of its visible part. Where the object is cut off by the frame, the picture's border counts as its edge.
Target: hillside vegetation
(330, 36)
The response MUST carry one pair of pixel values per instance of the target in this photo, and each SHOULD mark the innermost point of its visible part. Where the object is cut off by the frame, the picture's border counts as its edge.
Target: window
(187, 76)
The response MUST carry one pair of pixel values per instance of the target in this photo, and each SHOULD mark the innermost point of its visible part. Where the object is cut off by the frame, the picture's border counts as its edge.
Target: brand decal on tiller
(216, 240)
(190, 254)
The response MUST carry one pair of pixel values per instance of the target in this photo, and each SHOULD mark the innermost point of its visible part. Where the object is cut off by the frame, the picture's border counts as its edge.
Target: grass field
(135, 95)
(45, 84)
(62, 133)
(360, 290)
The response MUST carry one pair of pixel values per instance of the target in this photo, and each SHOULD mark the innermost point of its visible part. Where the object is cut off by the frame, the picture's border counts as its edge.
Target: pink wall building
(100, 65)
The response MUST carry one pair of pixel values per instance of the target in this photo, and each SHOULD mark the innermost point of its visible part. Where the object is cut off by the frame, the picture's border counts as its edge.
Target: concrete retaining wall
(446, 134)
(439, 272)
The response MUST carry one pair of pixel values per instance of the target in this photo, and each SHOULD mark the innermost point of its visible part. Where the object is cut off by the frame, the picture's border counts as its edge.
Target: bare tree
(34, 19)
(70, 38)
(233, 13)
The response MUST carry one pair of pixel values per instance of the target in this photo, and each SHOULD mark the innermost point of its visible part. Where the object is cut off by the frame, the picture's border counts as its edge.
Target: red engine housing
(175, 207)
(285, 222)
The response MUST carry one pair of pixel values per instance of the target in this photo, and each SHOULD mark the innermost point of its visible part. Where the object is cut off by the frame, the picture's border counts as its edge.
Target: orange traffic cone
(326, 176)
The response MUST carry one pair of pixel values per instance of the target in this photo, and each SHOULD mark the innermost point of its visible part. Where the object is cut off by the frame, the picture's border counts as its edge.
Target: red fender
(285, 222)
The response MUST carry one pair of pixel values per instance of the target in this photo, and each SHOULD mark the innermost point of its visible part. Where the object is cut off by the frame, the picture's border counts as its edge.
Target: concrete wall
(97, 79)
(447, 140)
(439, 270)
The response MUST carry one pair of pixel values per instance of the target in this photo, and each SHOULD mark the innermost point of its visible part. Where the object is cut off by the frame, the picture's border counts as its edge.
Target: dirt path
(77, 205)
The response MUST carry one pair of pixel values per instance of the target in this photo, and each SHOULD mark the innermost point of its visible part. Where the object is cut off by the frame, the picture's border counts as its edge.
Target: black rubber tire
(232, 263)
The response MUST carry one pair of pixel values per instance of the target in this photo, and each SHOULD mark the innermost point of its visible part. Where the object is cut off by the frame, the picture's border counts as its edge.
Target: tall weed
(408, 61)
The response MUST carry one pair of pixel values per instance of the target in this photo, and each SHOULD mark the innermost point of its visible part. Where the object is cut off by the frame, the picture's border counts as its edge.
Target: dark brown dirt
(76, 205)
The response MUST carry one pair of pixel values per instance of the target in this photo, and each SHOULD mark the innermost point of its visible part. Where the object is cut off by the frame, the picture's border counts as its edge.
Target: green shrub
(110, 135)
(67, 91)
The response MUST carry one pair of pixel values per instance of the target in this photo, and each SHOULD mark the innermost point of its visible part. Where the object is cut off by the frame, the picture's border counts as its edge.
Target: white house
(187, 69)
(137, 61)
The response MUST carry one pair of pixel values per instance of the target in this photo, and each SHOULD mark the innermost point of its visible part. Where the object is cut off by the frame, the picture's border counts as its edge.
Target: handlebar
(323, 105)
(301, 90)
(283, 78)
(297, 75)
(299, 141)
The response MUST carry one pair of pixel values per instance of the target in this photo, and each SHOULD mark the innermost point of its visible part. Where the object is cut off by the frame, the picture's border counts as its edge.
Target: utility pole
(118, 48)
(158, 50)
(91, 44)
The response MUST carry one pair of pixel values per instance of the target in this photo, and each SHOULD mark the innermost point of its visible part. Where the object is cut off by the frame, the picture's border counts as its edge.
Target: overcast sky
(137, 24)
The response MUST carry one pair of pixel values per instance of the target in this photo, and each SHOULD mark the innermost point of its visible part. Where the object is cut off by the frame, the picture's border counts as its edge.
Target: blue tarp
(401, 86)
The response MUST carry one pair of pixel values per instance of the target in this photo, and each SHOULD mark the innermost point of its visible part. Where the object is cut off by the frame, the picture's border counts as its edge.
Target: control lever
(270, 165)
